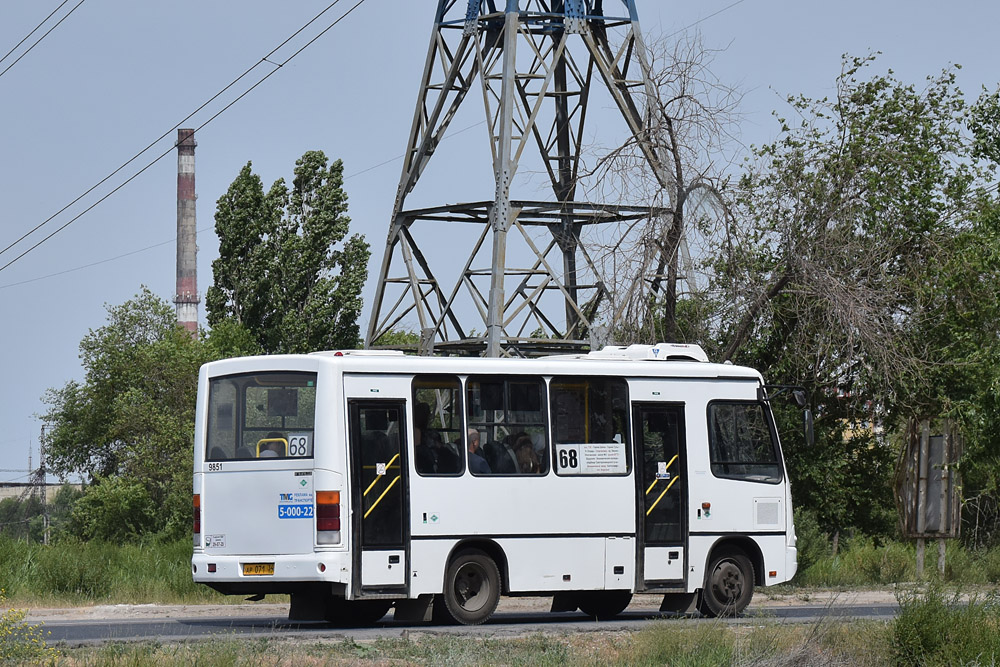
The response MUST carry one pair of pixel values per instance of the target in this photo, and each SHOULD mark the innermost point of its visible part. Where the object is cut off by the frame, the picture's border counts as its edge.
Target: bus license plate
(257, 569)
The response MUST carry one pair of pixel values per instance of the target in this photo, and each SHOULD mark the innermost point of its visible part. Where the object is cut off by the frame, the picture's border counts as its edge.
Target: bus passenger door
(662, 492)
(379, 492)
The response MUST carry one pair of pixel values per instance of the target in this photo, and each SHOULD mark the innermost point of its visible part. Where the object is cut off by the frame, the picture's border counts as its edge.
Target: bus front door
(662, 492)
(378, 430)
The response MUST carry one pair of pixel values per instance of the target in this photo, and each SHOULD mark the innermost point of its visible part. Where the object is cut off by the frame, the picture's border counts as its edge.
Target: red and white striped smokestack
(186, 300)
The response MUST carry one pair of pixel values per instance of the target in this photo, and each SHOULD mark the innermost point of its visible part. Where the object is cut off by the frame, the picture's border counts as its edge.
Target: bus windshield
(261, 416)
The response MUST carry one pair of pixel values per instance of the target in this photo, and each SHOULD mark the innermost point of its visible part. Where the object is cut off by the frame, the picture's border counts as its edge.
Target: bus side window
(437, 426)
(741, 442)
(591, 410)
(510, 415)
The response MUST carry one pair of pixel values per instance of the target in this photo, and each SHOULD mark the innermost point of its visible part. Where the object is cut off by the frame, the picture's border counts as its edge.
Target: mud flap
(414, 611)
(307, 607)
(680, 603)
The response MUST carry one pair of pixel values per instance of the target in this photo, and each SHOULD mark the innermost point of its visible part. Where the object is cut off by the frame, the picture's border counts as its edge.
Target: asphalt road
(503, 624)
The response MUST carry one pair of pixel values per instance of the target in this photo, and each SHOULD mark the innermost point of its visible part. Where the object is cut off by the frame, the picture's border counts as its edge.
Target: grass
(933, 628)
(862, 562)
(930, 631)
(72, 573)
(672, 643)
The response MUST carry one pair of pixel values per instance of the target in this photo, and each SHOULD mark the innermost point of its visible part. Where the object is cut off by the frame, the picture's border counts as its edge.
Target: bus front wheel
(729, 585)
(471, 587)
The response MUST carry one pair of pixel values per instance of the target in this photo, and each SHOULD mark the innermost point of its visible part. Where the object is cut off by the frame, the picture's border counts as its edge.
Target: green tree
(287, 274)
(844, 269)
(132, 415)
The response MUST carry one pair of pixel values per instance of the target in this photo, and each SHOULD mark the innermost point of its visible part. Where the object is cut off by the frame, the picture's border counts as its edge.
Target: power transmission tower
(38, 486)
(534, 63)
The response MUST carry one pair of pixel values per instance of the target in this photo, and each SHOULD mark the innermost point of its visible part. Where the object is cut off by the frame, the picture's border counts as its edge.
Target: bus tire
(728, 586)
(355, 613)
(604, 605)
(471, 587)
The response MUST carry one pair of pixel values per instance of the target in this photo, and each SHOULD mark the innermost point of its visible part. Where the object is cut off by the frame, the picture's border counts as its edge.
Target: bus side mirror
(800, 398)
(807, 426)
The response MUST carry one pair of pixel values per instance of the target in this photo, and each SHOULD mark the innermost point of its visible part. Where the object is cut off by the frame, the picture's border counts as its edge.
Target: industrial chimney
(186, 300)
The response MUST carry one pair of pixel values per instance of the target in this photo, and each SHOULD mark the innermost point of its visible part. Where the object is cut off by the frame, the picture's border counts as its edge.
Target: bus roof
(663, 360)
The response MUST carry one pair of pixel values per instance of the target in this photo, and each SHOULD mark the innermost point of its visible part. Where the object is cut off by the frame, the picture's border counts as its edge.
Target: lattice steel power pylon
(534, 63)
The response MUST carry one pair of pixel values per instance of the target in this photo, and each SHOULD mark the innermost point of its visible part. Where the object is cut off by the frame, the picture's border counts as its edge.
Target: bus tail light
(328, 517)
(197, 520)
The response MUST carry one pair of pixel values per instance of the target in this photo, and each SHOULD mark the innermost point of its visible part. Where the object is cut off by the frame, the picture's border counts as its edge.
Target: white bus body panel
(659, 566)
(235, 521)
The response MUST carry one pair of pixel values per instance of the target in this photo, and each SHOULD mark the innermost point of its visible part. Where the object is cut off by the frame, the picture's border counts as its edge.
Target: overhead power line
(37, 41)
(265, 59)
(705, 18)
(205, 229)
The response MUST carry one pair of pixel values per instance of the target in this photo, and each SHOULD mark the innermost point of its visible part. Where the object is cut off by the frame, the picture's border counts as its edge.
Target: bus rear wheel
(355, 613)
(471, 587)
(604, 605)
(729, 585)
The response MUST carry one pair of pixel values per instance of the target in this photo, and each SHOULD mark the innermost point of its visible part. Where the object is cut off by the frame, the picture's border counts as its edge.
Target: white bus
(358, 481)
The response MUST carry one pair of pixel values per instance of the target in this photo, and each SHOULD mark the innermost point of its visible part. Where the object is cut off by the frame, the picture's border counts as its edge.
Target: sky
(117, 74)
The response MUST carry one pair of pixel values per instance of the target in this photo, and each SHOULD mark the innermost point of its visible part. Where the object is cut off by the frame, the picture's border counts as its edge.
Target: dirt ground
(761, 600)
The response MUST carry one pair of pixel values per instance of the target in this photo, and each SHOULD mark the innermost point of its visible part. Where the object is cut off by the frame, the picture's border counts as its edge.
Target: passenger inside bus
(527, 459)
(477, 464)
(433, 455)
(271, 447)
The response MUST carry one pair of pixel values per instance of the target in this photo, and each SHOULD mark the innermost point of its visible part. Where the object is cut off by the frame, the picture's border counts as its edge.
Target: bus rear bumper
(233, 574)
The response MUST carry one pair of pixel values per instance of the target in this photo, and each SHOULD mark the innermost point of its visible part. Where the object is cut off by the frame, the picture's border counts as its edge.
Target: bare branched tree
(677, 164)
(837, 224)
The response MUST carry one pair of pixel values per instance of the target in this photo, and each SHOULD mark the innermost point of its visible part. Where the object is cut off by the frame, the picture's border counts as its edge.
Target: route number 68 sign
(591, 458)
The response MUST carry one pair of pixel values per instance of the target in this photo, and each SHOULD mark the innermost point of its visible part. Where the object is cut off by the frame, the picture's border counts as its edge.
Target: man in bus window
(272, 447)
(524, 450)
(477, 464)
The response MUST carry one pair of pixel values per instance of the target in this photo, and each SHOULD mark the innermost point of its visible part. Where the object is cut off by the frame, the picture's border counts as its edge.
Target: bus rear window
(261, 416)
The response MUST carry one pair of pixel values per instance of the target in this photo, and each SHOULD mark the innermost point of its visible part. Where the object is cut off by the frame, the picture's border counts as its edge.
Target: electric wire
(33, 31)
(99, 262)
(37, 41)
(705, 18)
(205, 229)
(277, 66)
(265, 59)
(172, 129)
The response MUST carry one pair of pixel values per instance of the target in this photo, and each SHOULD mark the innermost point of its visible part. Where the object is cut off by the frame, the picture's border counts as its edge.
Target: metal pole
(925, 438)
(500, 215)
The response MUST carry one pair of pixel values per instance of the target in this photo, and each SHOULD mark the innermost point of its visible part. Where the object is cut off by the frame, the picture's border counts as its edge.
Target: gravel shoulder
(762, 600)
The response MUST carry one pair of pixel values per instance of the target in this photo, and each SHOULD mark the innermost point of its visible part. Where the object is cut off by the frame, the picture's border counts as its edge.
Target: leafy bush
(19, 641)
(813, 544)
(932, 629)
(115, 509)
(991, 565)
